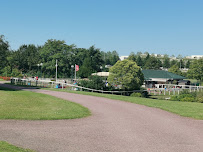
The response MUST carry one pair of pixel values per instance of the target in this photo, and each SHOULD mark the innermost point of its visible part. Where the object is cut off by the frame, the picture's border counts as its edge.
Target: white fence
(167, 89)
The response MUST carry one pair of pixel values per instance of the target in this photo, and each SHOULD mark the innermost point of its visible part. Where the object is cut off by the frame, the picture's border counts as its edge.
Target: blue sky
(157, 26)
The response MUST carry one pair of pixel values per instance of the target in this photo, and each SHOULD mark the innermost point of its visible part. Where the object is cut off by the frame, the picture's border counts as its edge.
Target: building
(194, 57)
(123, 57)
(155, 77)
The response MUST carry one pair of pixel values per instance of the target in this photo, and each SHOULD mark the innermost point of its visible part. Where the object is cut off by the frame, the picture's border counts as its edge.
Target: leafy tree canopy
(4, 52)
(126, 74)
(196, 70)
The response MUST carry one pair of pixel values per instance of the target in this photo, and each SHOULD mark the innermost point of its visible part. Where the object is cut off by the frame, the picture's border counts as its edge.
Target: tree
(126, 74)
(196, 70)
(86, 69)
(173, 62)
(139, 61)
(187, 64)
(152, 63)
(166, 62)
(175, 69)
(4, 52)
(132, 57)
(56, 50)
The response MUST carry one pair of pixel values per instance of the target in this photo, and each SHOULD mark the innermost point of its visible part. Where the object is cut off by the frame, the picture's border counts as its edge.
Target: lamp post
(56, 70)
(101, 69)
(41, 68)
(72, 66)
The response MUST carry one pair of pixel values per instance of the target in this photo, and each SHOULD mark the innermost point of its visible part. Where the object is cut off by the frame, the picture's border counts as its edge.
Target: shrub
(143, 94)
(199, 97)
(136, 94)
(94, 82)
(188, 99)
(174, 98)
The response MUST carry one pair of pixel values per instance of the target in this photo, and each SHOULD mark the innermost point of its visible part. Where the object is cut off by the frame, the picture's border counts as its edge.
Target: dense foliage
(126, 75)
(94, 82)
(186, 96)
(32, 60)
(40, 61)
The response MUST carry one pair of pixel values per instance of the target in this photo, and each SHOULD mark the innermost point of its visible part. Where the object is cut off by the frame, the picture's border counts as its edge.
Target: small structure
(156, 78)
(101, 74)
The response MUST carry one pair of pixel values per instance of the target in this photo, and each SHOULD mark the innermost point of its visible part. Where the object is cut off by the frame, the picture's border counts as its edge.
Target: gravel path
(114, 126)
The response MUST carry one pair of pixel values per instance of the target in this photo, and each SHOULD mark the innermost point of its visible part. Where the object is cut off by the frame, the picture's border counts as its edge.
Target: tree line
(32, 60)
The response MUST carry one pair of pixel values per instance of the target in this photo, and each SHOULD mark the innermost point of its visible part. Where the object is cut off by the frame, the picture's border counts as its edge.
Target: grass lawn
(25, 105)
(2, 80)
(186, 109)
(5, 147)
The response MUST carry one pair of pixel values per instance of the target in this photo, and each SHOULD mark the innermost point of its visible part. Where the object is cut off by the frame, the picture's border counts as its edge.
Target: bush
(199, 97)
(188, 99)
(187, 96)
(174, 98)
(143, 94)
(136, 94)
(94, 82)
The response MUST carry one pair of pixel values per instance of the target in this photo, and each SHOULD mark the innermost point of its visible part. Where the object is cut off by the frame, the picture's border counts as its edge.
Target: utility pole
(56, 70)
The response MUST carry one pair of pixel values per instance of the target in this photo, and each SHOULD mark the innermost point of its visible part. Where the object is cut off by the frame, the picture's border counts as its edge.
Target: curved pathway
(114, 126)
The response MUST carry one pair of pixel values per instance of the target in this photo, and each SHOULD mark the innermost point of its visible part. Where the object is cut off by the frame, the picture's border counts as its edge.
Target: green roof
(148, 74)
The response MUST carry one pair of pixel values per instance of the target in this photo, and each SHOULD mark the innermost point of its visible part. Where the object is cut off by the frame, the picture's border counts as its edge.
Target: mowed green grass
(186, 109)
(25, 105)
(6, 147)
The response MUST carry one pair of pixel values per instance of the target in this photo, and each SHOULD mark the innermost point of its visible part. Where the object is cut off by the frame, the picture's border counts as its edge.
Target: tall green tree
(166, 62)
(187, 64)
(126, 74)
(132, 57)
(4, 52)
(175, 69)
(56, 50)
(26, 57)
(139, 61)
(196, 70)
(86, 69)
(152, 63)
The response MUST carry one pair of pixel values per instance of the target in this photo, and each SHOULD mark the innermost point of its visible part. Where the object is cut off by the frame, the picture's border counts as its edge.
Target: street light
(101, 69)
(41, 67)
(72, 66)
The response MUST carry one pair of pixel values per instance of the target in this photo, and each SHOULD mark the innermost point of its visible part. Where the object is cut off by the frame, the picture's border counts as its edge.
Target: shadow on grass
(9, 87)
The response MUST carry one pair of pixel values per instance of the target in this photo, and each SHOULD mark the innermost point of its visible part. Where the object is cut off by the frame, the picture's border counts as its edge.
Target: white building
(194, 57)
(123, 57)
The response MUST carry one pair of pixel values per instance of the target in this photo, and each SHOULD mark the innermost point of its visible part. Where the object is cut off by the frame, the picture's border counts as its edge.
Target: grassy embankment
(25, 105)
(186, 109)
(5, 147)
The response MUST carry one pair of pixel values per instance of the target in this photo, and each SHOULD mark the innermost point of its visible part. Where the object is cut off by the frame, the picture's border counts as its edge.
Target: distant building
(123, 57)
(155, 77)
(194, 57)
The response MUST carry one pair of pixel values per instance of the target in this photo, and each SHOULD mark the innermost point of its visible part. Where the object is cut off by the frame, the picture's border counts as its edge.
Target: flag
(76, 67)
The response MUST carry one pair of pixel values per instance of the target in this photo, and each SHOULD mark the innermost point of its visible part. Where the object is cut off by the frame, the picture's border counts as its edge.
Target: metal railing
(169, 89)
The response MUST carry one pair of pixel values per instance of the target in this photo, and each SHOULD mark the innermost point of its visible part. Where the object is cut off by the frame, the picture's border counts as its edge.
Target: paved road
(114, 126)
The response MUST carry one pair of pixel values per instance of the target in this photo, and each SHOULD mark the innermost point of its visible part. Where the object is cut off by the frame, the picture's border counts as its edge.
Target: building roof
(149, 74)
